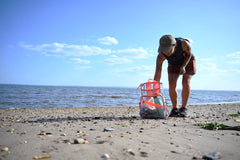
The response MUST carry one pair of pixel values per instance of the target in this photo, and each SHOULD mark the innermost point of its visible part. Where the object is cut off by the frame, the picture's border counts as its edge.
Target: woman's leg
(186, 89)
(172, 79)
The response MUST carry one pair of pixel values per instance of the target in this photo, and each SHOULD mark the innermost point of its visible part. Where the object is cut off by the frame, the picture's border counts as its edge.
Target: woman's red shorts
(190, 68)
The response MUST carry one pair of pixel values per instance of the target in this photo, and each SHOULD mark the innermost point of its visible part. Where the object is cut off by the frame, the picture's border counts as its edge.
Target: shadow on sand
(79, 119)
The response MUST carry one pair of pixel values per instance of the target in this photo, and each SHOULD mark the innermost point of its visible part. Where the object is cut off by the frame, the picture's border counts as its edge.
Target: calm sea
(27, 96)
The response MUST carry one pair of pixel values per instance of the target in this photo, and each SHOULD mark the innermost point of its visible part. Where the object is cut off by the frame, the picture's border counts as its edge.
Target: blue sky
(114, 43)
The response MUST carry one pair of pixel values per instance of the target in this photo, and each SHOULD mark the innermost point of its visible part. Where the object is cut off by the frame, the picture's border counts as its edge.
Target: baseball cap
(166, 43)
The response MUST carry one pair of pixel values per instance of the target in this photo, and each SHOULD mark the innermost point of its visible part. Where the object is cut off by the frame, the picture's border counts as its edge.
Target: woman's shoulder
(180, 39)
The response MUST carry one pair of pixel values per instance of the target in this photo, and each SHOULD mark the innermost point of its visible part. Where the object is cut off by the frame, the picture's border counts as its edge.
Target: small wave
(116, 96)
(7, 103)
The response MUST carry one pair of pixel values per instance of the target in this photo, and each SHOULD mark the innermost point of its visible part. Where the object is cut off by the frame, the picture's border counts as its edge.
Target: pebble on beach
(105, 156)
(131, 152)
(63, 134)
(42, 157)
(5, 149)
(79, 141)
(108, 129)
(237, 120)
(212, 156)
(144, 154)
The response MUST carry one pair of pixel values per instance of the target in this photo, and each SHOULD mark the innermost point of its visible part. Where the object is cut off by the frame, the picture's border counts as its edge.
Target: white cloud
(234, 62)
(79, 60)
(75, 51)
(234, 55)
(138, 53)
(209, 68)
(82, 67)
(207, 65)
(108, 40)
(142, 69)
(235, 70)
(116, 60)
(62, 49)
(235, 58)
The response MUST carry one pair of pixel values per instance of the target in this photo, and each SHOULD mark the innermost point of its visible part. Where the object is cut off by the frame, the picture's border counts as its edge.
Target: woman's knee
(172, 85)
(172, 80)
(186, 82)
(186, 85)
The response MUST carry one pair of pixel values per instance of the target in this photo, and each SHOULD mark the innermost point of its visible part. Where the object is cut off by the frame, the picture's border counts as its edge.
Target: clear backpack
(152, 104)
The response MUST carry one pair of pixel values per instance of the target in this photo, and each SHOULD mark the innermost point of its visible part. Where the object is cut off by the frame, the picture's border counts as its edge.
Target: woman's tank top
(177, 58)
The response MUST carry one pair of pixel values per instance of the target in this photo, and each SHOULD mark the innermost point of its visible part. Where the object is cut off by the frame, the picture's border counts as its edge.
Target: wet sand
(116, 133)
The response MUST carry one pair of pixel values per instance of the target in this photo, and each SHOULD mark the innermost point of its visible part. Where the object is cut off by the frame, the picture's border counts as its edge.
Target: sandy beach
(116, 133)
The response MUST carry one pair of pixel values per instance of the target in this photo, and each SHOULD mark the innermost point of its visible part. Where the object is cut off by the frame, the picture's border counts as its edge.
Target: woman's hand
(182, 70)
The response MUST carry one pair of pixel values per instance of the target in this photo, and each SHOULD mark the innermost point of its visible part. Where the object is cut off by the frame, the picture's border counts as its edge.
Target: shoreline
(194, 104)
(116, 132)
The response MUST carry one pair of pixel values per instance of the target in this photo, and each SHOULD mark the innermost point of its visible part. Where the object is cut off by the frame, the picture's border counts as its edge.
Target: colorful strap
(152, 104)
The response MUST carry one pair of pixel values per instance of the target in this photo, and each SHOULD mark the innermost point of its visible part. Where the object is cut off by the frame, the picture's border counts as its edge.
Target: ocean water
(30, 96)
